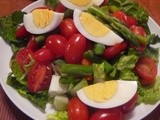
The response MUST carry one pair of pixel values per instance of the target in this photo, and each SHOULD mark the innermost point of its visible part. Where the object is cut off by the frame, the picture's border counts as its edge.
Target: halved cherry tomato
(146, 69)
(43, 55)
(32, 44)
(22, 32)
(57, 44)
(130, 104)
(75, 48)
(39, 77)
(68, 28)
(60, 8)
(122, 16)
(114, 51)
(107, 114)
(77, 110)
(23, 57)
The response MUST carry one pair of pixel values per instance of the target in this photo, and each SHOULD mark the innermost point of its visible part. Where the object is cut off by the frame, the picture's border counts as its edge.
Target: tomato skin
(107, 114)
(60, 8)
(22, 32)
(122, 16)
(68, 28)
(32, 44)
(39, 77)
(138, 30)
(43, 55)
(57, 44)
(77, 110)
(113, 51)
(129, 105)
(146, 69)
(75, 48)
(23, 57)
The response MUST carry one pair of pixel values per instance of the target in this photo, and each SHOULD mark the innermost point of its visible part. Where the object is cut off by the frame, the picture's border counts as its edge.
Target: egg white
(126, 90)
(30, 26)
(109, 39)
(72, 6)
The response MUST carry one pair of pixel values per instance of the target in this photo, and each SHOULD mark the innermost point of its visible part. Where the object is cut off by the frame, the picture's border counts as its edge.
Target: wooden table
(8, 111)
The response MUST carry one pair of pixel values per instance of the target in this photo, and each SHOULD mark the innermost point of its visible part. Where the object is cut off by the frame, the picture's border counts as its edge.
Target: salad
(94, 56)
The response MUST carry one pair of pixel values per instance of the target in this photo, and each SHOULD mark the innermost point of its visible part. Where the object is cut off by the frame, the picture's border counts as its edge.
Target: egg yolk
(101, 92)
(80, 2)
(92, 25)
(42, 17)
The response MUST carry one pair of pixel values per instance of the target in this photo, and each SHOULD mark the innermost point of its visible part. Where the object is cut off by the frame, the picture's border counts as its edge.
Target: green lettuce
(149, 94)
(60, 115)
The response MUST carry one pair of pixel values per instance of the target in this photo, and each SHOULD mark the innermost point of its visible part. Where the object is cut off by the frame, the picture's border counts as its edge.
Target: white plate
(29, 109)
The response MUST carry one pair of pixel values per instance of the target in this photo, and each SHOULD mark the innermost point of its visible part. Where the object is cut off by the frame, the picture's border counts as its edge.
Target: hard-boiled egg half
(108, 94)
(93, 29)
(80, 4)
(41, 21)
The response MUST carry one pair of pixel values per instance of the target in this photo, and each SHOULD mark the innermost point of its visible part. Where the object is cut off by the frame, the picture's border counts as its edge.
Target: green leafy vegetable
(149, 94)
(40, 99)
(60, 115)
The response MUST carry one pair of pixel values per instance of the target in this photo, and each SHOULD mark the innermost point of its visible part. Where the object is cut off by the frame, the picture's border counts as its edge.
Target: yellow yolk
(42, 17)
(80, 2)
(101, 92)
(92, 25)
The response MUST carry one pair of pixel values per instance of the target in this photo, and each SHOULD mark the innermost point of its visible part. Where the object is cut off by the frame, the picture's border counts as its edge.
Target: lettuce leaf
(60, 115)
(39, 99)
(149, 94)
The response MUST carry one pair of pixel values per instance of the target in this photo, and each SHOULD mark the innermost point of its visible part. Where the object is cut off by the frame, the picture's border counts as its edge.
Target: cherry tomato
(122, 16)
(107, 114)
(32, 44)
(60, 8)
(146, 69)
(77, 110)
(39, 77)
(130, 104)
(43, 55)
(57, 44)
(22, 32)
(67, 28)
(114, 51)
(105, 2)
(138, 30)
(75, 48)
(23, 57)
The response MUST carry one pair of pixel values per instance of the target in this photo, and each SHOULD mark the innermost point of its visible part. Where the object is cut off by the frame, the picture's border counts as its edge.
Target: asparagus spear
(119, 27)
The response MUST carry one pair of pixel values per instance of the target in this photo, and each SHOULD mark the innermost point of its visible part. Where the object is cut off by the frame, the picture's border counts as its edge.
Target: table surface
(8, 111)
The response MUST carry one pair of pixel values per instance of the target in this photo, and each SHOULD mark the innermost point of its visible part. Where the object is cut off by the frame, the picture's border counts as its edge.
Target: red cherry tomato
(60, 8)
(130, 104)
(32, 44)
(146, 69)
(122, 16)
(43, 55)
(67, 28)
(114, 51)
(75, 48)
(105, 2)
(23, 57)
(107, 114)
(138, 30)
(57, 44)
(77, 110)
(39, 77)
(22, 32)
